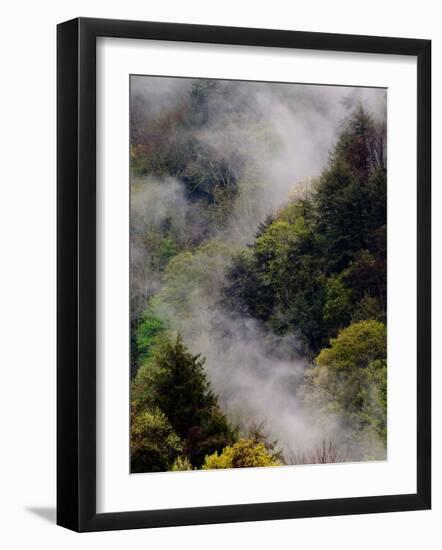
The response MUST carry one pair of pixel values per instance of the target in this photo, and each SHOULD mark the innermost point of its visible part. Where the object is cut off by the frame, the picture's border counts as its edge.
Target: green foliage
(273, 244)
(297, 211)
(245, 293)
(321, 261)
(192, 277)
(350, 377)
(367, 308)
(280, 280)
(355, 347)
(245, 453)
(304, 310)
(361, 145)
(374, 398)
(366, 276)
(271, 253)
(173, 380)
(316, 269)
(341, 207)
(351, 193)
(181, 464)
(213, 435)
(376, 205)
(149, 328)
(162, 246)
(338, 303)
(154, 445)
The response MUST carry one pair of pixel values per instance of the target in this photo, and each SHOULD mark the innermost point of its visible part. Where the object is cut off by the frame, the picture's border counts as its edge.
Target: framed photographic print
(243, 274)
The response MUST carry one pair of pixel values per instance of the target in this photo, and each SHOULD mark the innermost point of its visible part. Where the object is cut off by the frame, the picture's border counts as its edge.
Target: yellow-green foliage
(355, 346)
(154, 444)
(273, 246)
(337, 304)
(150, 327)
(296, 212)
(246, 453)
(192, 276)
(173, 380)
(351, 376)
(181, 464)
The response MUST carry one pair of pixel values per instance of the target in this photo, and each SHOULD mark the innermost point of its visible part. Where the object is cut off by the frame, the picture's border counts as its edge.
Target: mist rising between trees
(258, 274)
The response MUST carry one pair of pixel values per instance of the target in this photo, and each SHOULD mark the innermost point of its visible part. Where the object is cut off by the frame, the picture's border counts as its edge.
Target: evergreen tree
(174, 381)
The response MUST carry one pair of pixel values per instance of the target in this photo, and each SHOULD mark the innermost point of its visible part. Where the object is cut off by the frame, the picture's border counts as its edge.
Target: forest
(258, 274)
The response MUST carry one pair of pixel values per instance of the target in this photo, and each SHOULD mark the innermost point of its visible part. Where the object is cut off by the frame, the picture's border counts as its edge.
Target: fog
(278, 138)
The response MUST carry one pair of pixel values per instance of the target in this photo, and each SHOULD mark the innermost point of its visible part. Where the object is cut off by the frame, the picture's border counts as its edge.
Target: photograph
(258, 274)
(220, 256)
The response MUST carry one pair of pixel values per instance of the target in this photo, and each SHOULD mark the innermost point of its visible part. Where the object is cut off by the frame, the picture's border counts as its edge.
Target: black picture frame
(76, 274)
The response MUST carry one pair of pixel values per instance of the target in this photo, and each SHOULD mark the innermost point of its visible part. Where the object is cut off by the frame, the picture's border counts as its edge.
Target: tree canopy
(300, 286)
(174, 382)
(245, 453)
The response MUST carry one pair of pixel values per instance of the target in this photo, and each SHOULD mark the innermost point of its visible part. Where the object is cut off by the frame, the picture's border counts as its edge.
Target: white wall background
(27, 273)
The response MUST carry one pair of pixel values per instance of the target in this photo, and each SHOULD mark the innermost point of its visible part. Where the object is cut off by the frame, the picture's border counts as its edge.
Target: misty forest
(258, 274)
